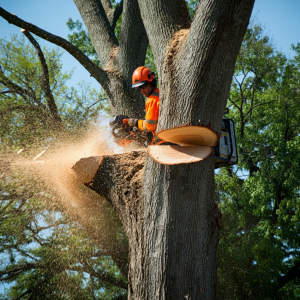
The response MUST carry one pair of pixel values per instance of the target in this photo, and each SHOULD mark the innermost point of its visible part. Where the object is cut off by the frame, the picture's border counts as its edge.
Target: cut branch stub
(87, 167)
(174, 155)
(118, 178)
(190, 136)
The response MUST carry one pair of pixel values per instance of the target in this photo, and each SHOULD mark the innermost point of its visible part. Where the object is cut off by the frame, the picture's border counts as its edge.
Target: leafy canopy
(259, 254)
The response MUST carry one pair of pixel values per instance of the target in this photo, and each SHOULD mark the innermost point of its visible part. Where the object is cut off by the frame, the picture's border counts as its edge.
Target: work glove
(133, 122)
(117, 120)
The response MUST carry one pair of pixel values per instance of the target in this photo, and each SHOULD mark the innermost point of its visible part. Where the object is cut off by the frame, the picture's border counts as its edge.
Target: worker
(144, 80)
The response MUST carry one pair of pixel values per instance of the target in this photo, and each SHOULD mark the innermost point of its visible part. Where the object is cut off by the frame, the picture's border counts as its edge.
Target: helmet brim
(135, 85)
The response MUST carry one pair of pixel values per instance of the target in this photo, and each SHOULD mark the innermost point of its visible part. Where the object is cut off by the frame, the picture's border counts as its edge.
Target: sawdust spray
(52, 172)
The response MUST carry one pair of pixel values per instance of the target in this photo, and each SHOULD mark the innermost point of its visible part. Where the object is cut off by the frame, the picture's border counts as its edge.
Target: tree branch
(16, 271)
(23, 294)
(249, 111)
(235, 104)
(101, 276)
(24, 252)
(6, 92)
(14, 87)
(113, 18)
(112, 14)
(6, 206)
(292, 274)
(99, 29)
(45, 83)
(99, 74)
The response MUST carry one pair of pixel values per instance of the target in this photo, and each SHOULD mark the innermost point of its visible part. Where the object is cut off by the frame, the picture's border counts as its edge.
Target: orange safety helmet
(141, 75)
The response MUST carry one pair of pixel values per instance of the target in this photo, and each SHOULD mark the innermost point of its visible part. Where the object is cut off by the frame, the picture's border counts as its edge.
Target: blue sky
(280, 18)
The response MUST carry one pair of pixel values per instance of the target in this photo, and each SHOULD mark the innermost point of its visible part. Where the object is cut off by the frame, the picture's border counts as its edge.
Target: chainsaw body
(125, 135)
(225, 153)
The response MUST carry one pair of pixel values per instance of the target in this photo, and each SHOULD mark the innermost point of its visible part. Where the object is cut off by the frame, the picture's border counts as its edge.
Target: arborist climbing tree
(144, 80)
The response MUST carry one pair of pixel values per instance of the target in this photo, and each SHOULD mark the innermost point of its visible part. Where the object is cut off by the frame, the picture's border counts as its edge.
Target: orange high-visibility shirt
(152, 111)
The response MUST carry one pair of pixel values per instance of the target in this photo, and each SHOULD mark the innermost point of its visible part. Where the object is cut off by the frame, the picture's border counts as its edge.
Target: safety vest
(152, 111)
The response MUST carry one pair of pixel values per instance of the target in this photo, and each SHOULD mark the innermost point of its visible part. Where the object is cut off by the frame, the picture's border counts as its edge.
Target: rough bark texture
(172, 237)
(167, 211)
(205, 56)
(118, 59)
(181, 243)
(119, 180)
(118, 62)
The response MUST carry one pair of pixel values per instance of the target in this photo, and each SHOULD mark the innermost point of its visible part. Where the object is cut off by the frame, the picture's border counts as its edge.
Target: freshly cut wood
(86, 168)
(174, 155)
(190, 136)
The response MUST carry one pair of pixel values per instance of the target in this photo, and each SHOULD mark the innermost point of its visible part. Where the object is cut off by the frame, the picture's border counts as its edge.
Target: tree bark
(169, 217)
(167, 211)
(172, 237)
(118, 59)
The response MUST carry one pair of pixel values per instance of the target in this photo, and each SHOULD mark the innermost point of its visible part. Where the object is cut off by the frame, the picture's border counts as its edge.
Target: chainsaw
(124, 135)
(225, 153)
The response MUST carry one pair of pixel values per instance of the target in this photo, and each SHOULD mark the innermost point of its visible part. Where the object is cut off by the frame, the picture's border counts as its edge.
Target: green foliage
(259, 253)
(82, 41)
(25, 115)
(192, 6)
(44, 253)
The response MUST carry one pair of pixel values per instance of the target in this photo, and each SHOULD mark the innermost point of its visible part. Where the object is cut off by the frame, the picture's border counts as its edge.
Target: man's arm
(152, 111)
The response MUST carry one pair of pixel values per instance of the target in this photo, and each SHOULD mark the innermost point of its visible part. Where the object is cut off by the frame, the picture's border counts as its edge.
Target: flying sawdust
(51, 170)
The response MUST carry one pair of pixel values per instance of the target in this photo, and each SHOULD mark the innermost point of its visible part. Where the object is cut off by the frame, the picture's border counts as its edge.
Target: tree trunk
(169, 215)
(179, 259)
(171, 235)
(167, 211)
(118, 59)
(196, 66)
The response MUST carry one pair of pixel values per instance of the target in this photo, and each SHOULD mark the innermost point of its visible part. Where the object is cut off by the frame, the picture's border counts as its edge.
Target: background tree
(258, 256)
(44, 252)
(47, 255)
(30, 110)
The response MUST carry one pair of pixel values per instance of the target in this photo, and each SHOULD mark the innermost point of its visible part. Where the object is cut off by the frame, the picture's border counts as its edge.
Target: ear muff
(150, 75)
(154, 82)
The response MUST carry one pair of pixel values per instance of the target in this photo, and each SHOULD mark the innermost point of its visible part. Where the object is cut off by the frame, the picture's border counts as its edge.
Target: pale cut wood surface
(87, 167)
(190, 136)
(174, 155)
